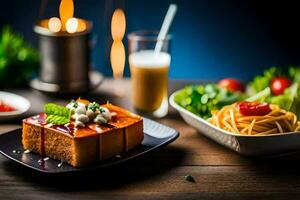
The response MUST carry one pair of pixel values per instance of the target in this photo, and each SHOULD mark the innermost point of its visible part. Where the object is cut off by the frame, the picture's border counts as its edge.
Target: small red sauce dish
(6, 108)
(12, 106)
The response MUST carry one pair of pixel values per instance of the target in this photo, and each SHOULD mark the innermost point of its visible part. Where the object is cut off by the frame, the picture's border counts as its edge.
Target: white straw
(165, 28)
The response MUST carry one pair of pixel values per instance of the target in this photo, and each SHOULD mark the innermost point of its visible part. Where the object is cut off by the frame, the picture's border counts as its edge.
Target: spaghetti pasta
(276, 120)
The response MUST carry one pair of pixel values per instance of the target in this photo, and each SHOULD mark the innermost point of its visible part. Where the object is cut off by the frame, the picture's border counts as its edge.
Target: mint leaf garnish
(94, 106)
(74, 103)
(57, 114)
(56, 119)
(189, 178)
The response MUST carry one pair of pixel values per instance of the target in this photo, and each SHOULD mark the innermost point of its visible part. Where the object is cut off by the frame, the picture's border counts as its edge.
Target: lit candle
(117, 58)
(118, 25)
(117, 52)
(63, 67)
(67, 22)
(72, 25)
(81, 25)
(54, 24)
(66, 11)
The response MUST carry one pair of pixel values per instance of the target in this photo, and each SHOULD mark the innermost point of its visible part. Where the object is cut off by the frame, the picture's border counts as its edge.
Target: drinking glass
(149, 73)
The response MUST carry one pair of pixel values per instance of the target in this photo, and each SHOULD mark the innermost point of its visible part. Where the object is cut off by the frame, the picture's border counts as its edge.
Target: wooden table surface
(218, 172)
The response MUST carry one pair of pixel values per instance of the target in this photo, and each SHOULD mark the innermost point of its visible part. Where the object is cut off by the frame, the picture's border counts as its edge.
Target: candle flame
(118, 24)
(72, 25)
(66, 11)
(117, 53)
(117, 58)
(81, 25)
(54, 24)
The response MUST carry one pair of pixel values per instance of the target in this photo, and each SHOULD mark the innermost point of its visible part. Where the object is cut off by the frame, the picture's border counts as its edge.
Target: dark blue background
(211, 38)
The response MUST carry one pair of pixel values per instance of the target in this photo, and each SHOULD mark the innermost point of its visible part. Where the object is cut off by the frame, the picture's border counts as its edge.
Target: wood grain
(219, 173)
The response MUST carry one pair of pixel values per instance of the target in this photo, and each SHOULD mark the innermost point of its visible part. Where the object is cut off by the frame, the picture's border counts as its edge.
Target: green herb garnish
(101, 110)
(74, 103)
(189, 178)
(56, 119)
(94, 106)
(57, 114)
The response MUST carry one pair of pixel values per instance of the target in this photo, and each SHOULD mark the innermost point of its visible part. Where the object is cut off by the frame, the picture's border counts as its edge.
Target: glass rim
(148, 36)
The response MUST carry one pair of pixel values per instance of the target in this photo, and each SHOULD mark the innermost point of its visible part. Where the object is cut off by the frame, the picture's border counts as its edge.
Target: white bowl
(243, 144)
(16, 101)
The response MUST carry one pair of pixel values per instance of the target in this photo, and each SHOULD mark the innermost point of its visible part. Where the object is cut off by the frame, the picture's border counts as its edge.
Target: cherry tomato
(279, 84)
(232, 84)
(253, 108)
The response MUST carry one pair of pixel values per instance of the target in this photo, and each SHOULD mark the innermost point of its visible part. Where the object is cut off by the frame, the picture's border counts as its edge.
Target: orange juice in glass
(149, 74)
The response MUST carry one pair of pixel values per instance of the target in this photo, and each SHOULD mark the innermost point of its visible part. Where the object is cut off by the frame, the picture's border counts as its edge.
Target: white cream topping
(83, 114)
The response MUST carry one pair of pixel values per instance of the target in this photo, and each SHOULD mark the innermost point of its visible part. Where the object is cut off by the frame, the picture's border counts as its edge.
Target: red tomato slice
(232, 84)
(254, 108)
(279, 84)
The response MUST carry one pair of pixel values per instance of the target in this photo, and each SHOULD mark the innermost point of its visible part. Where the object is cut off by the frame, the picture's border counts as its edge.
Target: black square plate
(156, 135)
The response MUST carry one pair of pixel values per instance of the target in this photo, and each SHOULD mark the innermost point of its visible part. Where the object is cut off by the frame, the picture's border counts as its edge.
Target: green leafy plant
(18, 60)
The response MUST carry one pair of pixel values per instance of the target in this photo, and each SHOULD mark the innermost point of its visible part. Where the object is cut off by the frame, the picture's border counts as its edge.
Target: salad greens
(294, 73)
(18, 60)
(290, 99)
(260, 82)
(260, 96)
(202, 99)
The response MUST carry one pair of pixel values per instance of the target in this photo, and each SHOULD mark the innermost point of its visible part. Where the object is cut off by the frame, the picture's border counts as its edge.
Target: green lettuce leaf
(294, 73)
(289, 100)
(260, 82)
(202, 99)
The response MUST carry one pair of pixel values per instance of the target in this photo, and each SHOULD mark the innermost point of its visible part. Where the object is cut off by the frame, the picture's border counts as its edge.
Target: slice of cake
(82, 133)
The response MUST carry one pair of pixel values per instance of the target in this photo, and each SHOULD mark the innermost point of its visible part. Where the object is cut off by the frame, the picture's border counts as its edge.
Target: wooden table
(218, 172)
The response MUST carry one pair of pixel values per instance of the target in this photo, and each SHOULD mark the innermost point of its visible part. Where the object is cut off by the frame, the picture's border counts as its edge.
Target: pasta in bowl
(245, 144)
(254, 118)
